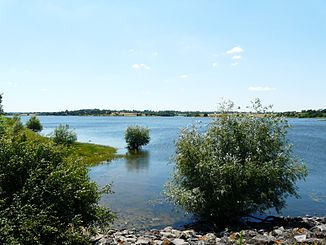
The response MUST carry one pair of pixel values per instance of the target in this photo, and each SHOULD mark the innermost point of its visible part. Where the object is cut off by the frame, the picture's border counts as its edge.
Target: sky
(162, 54)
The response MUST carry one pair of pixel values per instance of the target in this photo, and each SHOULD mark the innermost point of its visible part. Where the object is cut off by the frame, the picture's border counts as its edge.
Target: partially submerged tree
(240, 165)
(34, 124)
(136, 137)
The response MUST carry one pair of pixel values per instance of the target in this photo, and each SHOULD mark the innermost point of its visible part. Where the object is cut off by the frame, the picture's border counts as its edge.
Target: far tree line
(107, 112)
(320, 113)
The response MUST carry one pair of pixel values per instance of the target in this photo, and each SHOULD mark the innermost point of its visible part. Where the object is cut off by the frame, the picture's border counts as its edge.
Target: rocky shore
(281, 230)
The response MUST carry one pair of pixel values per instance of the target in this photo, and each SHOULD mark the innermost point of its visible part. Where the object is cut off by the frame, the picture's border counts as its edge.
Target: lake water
(138, 181)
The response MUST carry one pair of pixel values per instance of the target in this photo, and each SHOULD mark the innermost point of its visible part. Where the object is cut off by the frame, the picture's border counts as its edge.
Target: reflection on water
(137, 160)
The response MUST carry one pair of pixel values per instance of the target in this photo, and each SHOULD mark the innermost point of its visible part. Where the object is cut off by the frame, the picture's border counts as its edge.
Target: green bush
(1, 108)
(240, 165)
(17, 125)
(34, 124)
(45, 197)
(62, 135)
(136, 137)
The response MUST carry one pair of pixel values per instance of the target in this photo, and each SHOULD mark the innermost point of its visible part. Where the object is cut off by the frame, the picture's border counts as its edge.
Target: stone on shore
(307, 230)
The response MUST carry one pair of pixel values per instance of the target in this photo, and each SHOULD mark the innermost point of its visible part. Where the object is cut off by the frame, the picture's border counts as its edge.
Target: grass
(92, 154)
(86, 153)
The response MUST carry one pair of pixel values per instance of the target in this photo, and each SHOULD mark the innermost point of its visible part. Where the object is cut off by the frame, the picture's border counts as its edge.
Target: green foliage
(17, 125)
(45, 197)
(34, 124)
(1, 109)
(136, 137)
(62, 135)
(92, 154)
(240, 241)
(241, 164)
(321, 113)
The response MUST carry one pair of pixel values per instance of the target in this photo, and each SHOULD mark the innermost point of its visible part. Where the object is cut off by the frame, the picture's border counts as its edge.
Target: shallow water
(138, 180)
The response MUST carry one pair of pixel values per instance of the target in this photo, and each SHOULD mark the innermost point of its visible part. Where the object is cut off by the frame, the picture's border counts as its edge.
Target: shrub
(17, 125)
(62, 135)
(1, 108)
(34, 124)
(136, 137)
(45, 198)
(242, 164)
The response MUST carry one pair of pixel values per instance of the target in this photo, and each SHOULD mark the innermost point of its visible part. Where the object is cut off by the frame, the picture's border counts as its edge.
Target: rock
(209, 237)
(269, 235)
(179, 241)
(192, 240)
(309, 221)
(321, 227)
(97, 237)
(120, 239)
(158, 242)
(103, 241)
(176, 233)
(252, 233)
(234, 236)
(300, 231)
(261, 239)
(168, 229)
(167, 234)
(300, 238)
(143, 241)
(131, 239)
(166, 242)
(188, 234)
(279, 241)
(278, 232)
(319, 231)
(219, 241)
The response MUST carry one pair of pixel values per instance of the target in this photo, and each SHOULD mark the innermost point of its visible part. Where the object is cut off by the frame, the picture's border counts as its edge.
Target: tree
(45, 197)
(1, 108)
(136, 137)
(17, 125)
(240, 165)
(34, 124)
(62, 135)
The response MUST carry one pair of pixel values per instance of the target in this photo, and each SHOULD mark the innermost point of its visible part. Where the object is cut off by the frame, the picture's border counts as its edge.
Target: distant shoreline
(319, 114)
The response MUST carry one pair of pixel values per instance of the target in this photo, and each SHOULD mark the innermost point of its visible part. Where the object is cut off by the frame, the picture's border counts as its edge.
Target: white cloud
(260, 88)
(184, 76)
(235, 50)
(155, 54)
(214, 65)
(236, 57)
(140, 67)
(131, 50)
(235, 54)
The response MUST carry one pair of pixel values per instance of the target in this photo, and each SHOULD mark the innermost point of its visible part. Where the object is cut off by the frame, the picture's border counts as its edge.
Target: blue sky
(164, 54)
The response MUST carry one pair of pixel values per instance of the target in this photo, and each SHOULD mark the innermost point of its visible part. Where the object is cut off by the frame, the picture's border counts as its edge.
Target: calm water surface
(138, 181)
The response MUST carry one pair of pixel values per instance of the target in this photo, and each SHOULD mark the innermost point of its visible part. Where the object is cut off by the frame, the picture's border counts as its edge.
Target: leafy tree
(240, 165)
(45, 198)
(136, 137)
(1, 108)
(34, 124)
(62, 135)
(17, 125)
